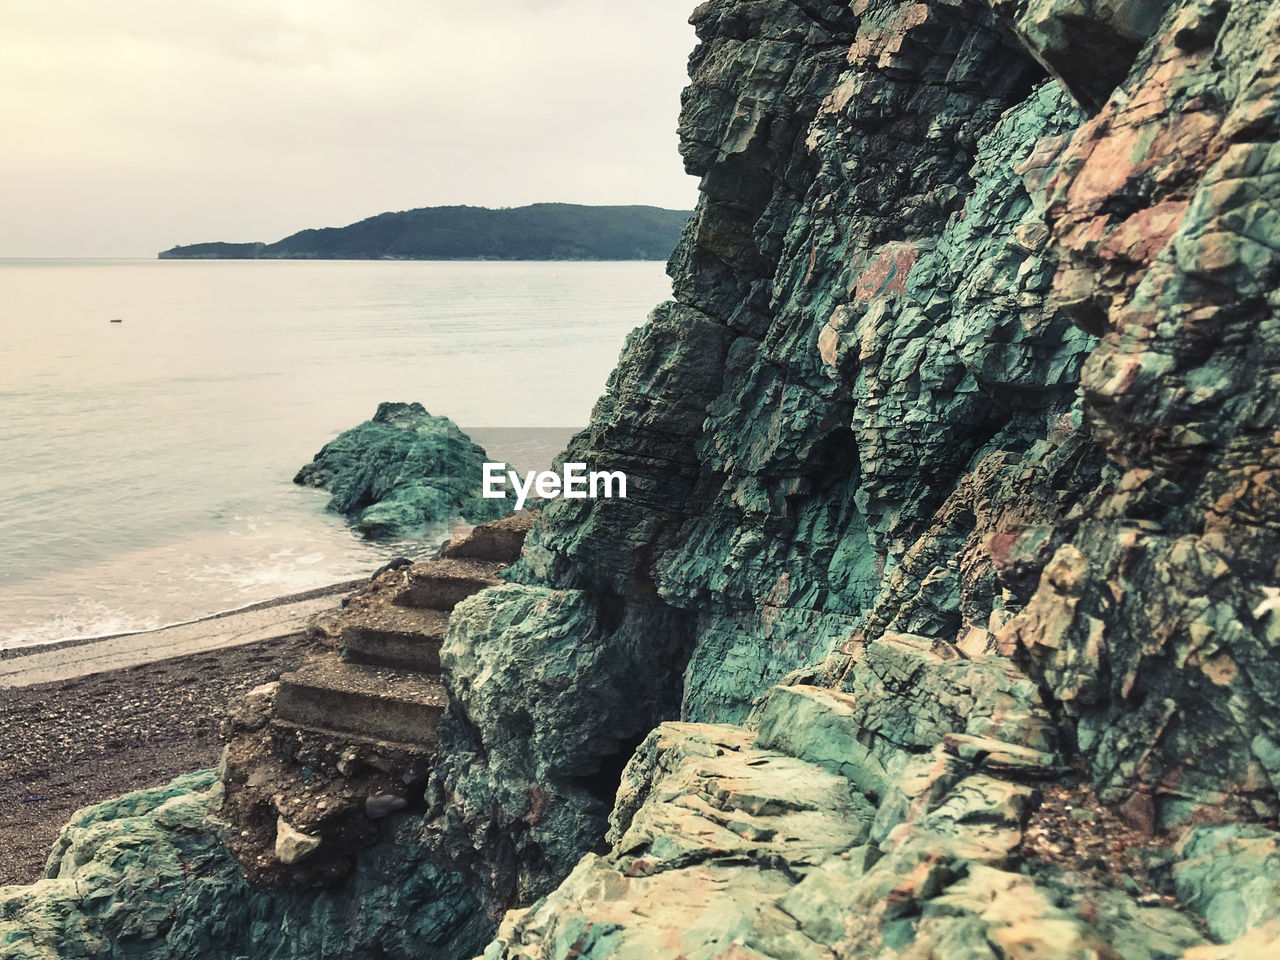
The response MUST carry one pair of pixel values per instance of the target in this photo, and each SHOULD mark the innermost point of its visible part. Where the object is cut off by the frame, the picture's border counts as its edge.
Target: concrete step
(392, 636)
(499, 540)
(443, 584)
(343, 748)
(366, 701)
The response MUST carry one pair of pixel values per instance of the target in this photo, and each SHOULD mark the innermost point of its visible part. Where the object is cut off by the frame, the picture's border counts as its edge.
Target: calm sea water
(145, 466)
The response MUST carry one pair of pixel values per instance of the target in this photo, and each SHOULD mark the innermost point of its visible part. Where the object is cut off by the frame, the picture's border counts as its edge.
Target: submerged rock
(401, 471)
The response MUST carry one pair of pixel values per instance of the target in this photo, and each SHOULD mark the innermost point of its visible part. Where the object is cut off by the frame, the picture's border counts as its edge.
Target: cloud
(136, 125)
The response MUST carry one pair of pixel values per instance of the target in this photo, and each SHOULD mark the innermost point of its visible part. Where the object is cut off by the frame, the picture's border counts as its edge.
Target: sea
(146, 465)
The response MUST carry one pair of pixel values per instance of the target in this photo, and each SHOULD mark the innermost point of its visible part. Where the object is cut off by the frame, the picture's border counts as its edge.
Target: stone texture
(294, 846)
(1231, 875)
(402, 471)
(952, 475)
(550, 695)
(729, 845)
(723, 847)
(319, 759)
(1088, 45)
(499, 541)
(145, 877)
(986, 370)
(1159, 214)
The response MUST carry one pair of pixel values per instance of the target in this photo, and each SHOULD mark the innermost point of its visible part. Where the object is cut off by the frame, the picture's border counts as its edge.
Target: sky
(134, 125)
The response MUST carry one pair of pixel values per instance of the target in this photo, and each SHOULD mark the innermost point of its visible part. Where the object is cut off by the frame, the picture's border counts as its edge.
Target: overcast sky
(133, 125)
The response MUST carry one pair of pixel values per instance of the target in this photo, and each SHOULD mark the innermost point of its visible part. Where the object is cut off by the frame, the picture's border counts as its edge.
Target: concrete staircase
(381, 691)
(443, 584)
(399, 637)
(338, 699)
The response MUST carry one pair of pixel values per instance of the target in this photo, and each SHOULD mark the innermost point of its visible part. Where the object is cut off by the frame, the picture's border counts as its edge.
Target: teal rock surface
(1230, 874)
(953, 496)
(146, 876)
(785, 843)
(550, 692)
(402, 471)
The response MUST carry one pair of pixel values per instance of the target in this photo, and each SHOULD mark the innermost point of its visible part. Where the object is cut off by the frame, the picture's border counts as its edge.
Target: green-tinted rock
(551, 693)
(402, 471)
(145, 877)
(1231, 875)
(720, 848)
(708, 838)
(962, 423)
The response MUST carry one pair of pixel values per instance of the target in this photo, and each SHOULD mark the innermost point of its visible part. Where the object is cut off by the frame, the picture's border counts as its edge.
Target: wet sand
(23, 666)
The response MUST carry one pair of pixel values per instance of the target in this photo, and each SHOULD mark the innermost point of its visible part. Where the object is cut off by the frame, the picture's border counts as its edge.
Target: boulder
(402, 471)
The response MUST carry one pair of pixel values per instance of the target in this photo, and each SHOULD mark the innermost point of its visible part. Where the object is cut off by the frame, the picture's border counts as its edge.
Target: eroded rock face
(952, 475)
(862, 290)
(803, 842)
(1149, 624)
(550, 692)
(979, 352)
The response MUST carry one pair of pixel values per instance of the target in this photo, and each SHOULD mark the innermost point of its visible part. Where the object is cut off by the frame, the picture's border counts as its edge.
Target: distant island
(541, 231)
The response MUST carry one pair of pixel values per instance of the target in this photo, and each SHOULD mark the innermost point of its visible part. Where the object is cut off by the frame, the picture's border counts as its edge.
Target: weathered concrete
(443, 584)
(350, 737)
(395, 636)
(362, 700)
(499, 541)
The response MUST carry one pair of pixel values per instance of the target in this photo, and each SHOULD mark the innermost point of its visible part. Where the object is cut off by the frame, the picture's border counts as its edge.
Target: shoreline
(103, 716)
(279, 618)
(344, 586)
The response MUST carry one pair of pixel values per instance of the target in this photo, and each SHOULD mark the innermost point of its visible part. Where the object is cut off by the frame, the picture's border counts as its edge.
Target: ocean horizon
(147, 464)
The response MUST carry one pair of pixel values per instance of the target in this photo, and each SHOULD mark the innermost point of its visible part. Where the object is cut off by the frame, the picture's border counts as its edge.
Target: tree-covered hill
(542, 231)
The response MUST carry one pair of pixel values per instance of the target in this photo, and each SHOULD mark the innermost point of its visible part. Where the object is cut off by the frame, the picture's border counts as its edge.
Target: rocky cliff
(942, 617)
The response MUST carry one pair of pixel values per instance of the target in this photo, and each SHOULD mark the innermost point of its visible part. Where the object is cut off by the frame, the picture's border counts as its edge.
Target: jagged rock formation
(952, 494)
(949, 358)
(401, 471)
(806, 838)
